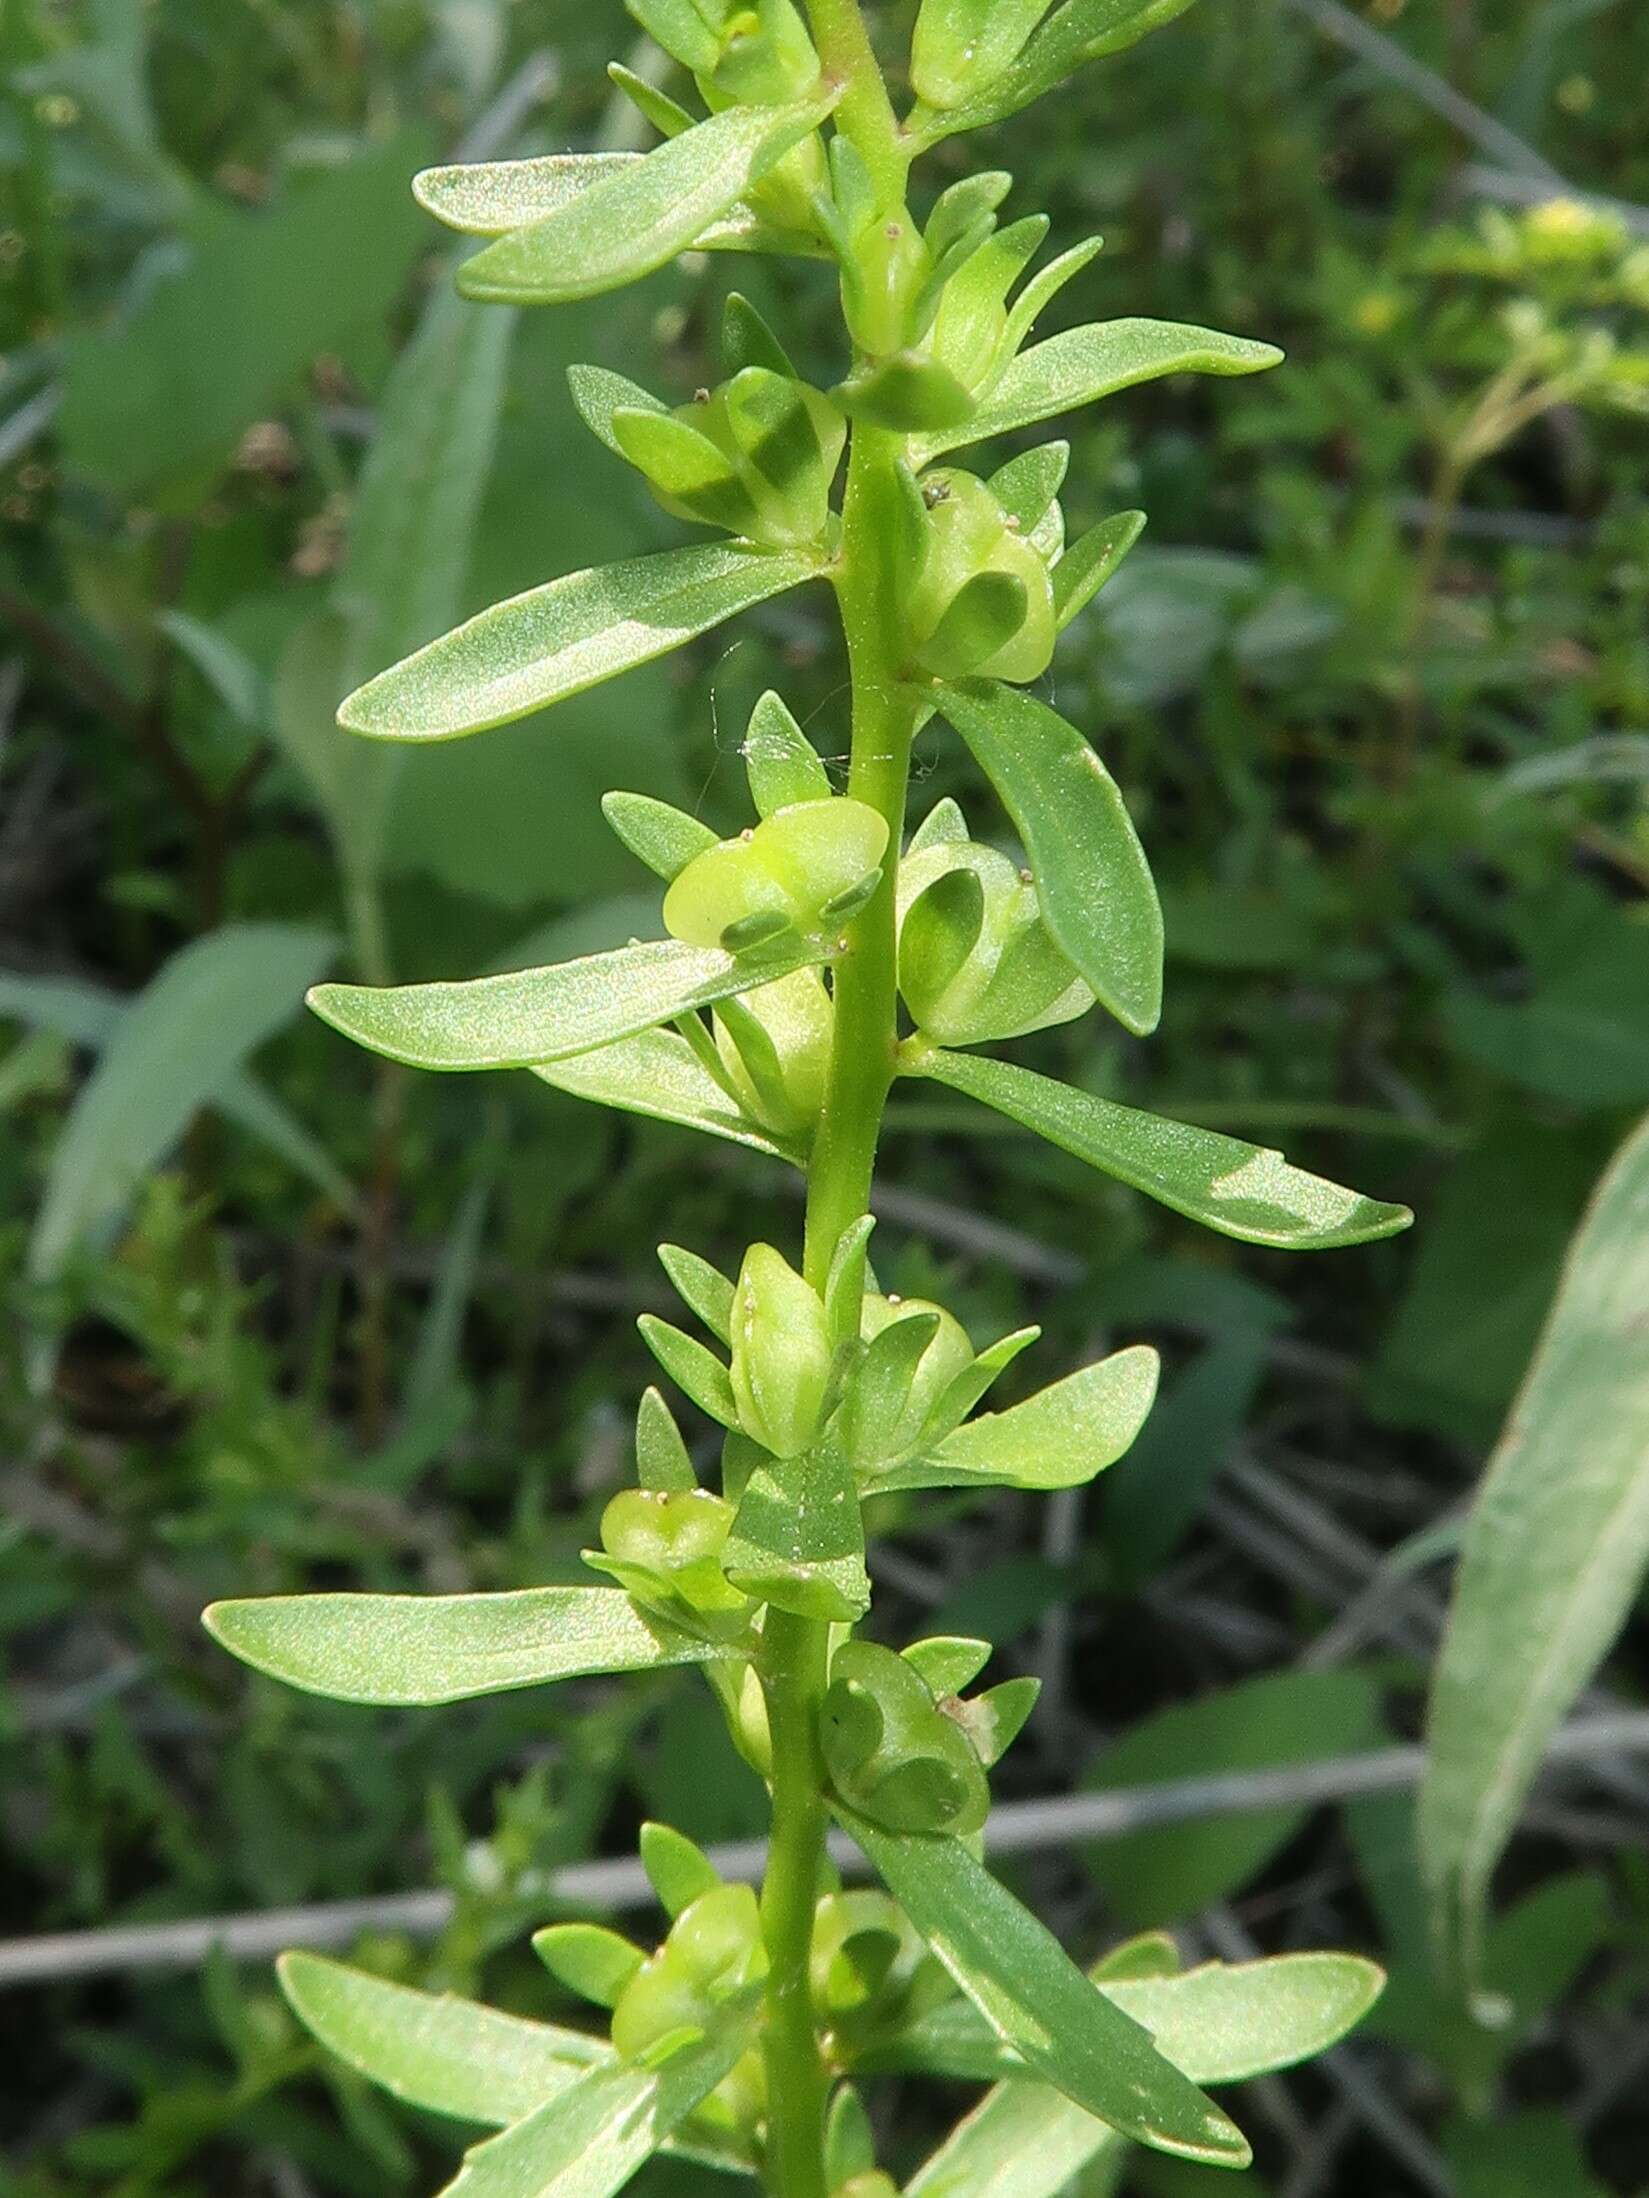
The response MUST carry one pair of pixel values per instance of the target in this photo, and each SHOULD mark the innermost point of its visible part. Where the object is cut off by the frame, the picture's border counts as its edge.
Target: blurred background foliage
(1378, 687)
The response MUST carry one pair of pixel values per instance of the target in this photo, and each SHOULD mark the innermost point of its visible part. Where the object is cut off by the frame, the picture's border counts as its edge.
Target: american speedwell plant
(809, 964)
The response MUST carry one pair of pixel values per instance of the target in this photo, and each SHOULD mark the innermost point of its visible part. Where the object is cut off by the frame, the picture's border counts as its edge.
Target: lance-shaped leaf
(1216, 2025)
(638, 217)
(1221, 2023)
(1059, 1438)
(490, 198)
(1081, 31)
(448, 2055)
(1092, 880)
(1033, 1996)
(595, 2133)
(657, 1074)
(1552, 1561)
(569, 634)
(419, 1650)
(798, 1538)
(1245, 1191)
(534, 1015)
(1081, 365)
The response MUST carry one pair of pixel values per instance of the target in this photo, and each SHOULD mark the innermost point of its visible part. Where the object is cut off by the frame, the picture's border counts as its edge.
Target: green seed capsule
(890, 1750)
(949, 1354)
(984, 603)
(775, 1045)
(714, 1948)
(664, 1547)
(793, 865)
(962, 46)
(781, 1353)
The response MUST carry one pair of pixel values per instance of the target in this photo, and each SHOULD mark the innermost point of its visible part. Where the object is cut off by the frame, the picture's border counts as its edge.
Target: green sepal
(677, 1869)
(681, 29)
(1027, 486)
(747, 340)
(688, 473)
(943, 826)
(788, 437)
(994, 1720)
(693, 1368)
(879, 1389)
(657, 1074)
(598, 394)
(798, 1540)
(976, 1380)
(938, 934)
(588, 1959)
(662, 1460)
(782, 764)
(850, 2142)
(1090, 562)
(1045, 285)
(909, 392)
(703, 1289)
(948, 1662)
(981, 618)
(665, 838)
(845, 1283)
(668, 116)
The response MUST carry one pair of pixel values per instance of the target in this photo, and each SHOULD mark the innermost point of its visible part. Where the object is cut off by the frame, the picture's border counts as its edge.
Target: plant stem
(865, 113)
(795, 1650)
(793, 1660)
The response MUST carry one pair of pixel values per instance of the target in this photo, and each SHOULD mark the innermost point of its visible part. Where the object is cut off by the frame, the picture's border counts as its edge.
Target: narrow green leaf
(1245, 1191)
(1553, 1558)
(419, 1650)
(173, 1049)
(448, 2055)
(1059, 1438)
(1217, 2025)
(636, 218)
(588, 1959)
(677, 1869)
(1092, 880)
(798, 1539)
(567, 635)
(655, 1074)
(1082, 31)
(1081, 365)
(1090, 562)
(1035, 1998)
(534, 1015)
(595, 2133)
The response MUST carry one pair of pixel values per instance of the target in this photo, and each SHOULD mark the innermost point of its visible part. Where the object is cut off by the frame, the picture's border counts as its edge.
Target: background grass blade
(1558, 1540)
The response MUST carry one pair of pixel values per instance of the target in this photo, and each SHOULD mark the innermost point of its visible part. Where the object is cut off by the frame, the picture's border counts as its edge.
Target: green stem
(795, 1651)
(793, 1664)
(864, 113)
